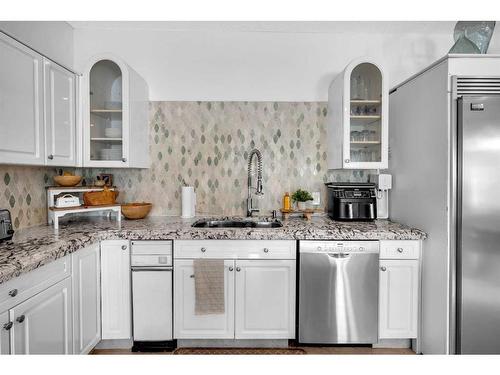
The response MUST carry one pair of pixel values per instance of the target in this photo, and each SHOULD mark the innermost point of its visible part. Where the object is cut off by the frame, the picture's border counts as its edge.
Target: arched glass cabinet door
(365, 116)
(106, 111)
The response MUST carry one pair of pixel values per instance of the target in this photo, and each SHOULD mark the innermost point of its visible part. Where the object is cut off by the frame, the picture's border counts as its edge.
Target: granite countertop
(36, 246)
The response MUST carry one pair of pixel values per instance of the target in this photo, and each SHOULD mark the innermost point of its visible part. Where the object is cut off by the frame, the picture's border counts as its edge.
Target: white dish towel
(209, 286)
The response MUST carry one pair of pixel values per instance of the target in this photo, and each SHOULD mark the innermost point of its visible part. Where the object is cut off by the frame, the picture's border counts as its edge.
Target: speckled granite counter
(36, 246)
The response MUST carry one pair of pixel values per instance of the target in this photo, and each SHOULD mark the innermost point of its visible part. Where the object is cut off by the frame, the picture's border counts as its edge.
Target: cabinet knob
(347, 160)
(7, 326)
(124, 160)
(400, 249)
(13, 293)
(238, 269)
(124, 247)
(191, 276)
(50, 157)
(230, 269)
(203, 249)
(266, 250)
(21, 319)
(383, 269)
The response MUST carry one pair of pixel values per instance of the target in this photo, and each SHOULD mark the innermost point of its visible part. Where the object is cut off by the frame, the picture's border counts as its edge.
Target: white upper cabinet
(115, 123)
(357, 117)
(60, 115)
(21, 104)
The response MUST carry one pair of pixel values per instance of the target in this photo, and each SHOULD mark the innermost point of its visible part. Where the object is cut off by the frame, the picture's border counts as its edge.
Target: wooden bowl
(135, 211)
(67, 180)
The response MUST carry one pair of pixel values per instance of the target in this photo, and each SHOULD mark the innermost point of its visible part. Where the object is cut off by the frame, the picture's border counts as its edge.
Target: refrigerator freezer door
(478, 253)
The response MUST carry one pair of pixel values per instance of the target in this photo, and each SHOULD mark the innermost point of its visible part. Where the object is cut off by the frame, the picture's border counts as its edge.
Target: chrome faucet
(258, 188)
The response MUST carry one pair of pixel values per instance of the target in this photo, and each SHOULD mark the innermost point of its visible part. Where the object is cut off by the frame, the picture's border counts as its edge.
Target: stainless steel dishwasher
(152, 295)
(338, 293)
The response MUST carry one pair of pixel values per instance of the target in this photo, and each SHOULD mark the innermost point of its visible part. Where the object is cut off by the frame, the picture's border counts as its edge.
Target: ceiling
(276, 26)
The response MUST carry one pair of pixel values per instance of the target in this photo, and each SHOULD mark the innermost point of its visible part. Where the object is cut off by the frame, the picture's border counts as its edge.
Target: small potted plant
(301, 197)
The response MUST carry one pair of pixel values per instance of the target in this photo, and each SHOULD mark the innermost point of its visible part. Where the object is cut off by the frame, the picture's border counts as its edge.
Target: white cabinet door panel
(60, 115)
(86, 299)
(115, 290)
(21, 104)
(265, 299)
(4, 333)
(398, 299)
(188, 325)
(43, 323)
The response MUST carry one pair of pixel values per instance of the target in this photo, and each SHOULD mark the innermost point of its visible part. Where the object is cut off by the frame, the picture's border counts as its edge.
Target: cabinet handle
(13, 293)
(230, 269)
(203, 249)
(124, 160)
(383, 269)
(7, 326)
(266, 250)
(238, 269)
(400, 249)
(50, 157)
(20, 319)
(124, 247)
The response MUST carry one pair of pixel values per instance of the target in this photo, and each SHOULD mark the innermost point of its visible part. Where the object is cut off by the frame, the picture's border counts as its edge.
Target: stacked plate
(113, 132)
(113, 153)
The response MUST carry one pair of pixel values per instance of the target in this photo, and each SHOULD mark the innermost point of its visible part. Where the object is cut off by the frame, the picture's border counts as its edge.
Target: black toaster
(352, 201)
(6, 231)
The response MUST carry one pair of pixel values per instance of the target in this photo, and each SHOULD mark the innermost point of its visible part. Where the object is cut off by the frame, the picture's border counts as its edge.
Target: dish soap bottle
(287, 206)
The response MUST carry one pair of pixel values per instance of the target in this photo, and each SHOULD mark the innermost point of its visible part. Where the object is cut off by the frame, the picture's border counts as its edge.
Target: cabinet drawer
(23, 287)
(399, 249)
(235, 249)
(151, 247)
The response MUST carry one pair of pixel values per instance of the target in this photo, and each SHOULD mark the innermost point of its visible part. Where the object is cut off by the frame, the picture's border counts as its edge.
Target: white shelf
(365, 101)
(105, 111)
(365, 142)
(106, 139)
(56, 213)
(366, 117)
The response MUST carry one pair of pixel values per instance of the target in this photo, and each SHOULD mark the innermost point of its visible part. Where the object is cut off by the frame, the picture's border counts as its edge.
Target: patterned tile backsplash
(205, 144)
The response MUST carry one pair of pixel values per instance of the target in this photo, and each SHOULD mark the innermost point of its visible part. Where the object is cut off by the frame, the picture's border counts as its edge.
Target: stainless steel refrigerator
(478, 225)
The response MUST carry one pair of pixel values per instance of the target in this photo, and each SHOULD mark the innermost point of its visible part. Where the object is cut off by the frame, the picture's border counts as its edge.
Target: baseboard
(115, 344)
(230, 343)
(393, 344)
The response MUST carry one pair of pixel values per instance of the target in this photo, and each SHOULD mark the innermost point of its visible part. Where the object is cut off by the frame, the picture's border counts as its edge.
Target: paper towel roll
(188, 202)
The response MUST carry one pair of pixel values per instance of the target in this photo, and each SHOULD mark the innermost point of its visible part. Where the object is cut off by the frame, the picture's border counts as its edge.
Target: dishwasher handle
(338, 255)
(139, 269)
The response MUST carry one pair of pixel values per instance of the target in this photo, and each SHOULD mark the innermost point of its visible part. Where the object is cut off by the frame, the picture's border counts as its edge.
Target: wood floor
(308, 349)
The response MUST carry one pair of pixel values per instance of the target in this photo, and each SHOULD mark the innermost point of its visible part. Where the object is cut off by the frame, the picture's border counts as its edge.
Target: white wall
(259, 61)
(53, 39)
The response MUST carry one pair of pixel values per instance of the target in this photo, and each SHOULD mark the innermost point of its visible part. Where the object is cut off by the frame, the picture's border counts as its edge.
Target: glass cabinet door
(106, 117)
(365, 125)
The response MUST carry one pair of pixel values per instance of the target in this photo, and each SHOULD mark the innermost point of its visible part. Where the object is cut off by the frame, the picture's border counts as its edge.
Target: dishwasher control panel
(339, 246)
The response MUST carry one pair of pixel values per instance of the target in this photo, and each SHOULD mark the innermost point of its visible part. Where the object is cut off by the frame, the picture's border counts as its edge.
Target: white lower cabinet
(116, 306)
(86, 278)
(5, 326)
(43, 323)
(265, 299)
(398, 298)
(188, 325)
(259, 300)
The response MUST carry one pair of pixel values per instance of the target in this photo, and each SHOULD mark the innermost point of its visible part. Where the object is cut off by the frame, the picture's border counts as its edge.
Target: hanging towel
(209, 286)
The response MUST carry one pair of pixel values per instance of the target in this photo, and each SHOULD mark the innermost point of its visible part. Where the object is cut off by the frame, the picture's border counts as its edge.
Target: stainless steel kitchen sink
(231, 223)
